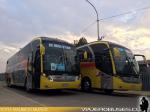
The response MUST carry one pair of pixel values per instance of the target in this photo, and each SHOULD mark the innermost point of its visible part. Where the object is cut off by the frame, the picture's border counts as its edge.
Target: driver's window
(117, 53)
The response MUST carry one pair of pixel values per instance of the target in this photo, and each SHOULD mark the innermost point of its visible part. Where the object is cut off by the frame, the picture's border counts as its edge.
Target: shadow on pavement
(115, 94)
(19, 89)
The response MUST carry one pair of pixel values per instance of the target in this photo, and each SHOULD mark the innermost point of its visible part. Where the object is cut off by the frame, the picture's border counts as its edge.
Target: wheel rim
(27, 86)
(8, 82)
(86, 85)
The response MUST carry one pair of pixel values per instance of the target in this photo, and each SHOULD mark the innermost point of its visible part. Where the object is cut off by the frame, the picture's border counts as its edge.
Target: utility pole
(98, 37)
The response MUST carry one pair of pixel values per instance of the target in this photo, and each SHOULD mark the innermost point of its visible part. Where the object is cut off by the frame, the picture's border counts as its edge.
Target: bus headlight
(50, 78)
(44, 74)
(77, 78)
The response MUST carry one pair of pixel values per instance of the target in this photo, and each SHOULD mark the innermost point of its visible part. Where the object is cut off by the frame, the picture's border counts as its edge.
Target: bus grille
(63, 78)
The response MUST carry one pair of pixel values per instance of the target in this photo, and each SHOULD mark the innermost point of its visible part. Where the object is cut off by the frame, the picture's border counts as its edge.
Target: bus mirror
(42, 49)
(76, 58)
(116, 52)
(144, 59)
(106, 50)
(29, 64)
(85, 55)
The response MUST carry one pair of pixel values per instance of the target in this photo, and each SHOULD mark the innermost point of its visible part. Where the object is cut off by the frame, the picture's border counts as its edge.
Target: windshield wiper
(132, 67)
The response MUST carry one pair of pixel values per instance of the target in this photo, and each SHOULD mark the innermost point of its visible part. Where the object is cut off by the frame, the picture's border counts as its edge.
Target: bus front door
(106, 74)
(29, 77)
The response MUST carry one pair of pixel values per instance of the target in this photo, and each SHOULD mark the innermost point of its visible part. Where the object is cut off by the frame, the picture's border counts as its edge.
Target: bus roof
(96, 42)
(42, 38)
(55, 39)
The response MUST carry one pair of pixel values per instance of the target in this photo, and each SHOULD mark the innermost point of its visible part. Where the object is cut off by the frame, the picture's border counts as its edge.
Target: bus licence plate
(65, 85)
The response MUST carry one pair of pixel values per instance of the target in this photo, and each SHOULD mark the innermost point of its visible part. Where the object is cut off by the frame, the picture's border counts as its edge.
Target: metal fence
(2, 77)
(146, 79)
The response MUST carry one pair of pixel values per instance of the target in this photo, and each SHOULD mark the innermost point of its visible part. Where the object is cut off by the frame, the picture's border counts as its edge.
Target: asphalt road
(17, 96)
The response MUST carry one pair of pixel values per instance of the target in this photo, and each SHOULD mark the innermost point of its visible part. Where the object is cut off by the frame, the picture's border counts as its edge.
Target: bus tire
(9, 82)
(108, 91)
(86, 85)
(28, 89)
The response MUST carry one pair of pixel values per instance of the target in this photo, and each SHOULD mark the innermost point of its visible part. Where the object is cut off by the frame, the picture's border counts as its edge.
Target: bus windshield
(59, 58)
(125, 63)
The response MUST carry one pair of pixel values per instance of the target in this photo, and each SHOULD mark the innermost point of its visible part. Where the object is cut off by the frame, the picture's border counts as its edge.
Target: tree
(82, 41)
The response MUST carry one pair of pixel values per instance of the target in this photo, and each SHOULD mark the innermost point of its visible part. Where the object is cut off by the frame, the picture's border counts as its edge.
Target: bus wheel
(86, 85)
(108, 91)
(28, 89)
(9, 82)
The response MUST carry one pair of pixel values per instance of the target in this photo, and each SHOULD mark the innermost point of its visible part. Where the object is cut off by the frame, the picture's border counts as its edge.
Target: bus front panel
(119, 84)
(60, 68)
(46, 83)
(114, 66)
(127, 75)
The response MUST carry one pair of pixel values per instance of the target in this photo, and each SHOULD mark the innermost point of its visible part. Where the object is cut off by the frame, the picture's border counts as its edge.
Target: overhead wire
(114, 16)
(125, 13)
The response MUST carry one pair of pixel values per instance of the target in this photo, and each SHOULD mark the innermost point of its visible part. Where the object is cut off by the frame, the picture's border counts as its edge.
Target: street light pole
(97, 19)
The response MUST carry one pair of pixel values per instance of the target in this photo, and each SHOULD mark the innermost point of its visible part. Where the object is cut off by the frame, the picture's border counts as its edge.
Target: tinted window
(35, 49)
(24, 53)
(125, 63)
(81, 52)
(102, 58)
(59, 58)
(35, 44)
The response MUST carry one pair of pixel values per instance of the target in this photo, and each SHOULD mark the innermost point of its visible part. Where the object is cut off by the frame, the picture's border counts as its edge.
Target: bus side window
(35, 47)
(80, 55)
(102, 58)
(85, 54)
(29, 64)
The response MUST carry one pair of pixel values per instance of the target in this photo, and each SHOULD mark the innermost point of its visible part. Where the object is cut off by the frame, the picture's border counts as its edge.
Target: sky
(23, 20)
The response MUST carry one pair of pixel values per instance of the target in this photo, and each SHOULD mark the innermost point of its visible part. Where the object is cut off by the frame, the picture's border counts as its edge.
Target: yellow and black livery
(108, 66)
(44, 63)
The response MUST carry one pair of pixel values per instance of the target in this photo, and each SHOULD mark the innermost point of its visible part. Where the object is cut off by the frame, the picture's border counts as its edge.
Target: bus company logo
(144, 104)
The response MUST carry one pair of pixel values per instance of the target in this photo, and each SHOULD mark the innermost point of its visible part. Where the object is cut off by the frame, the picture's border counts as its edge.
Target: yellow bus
(44, 63)
(108, 66)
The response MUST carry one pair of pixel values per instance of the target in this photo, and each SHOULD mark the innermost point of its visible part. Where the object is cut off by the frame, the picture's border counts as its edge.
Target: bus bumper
(118, 84)
(47, 84)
